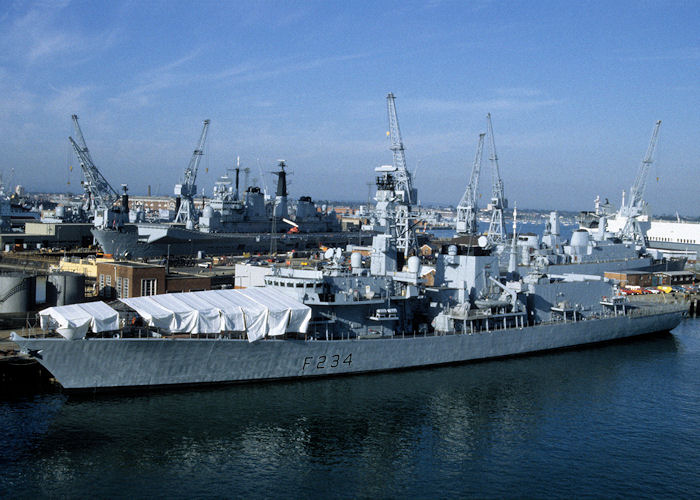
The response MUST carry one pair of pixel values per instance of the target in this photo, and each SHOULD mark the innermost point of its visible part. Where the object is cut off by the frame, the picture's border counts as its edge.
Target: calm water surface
(608, 421)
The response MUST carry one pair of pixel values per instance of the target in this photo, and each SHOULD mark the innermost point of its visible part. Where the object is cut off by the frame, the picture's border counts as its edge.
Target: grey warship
(392, 312)
(232, 224)
(229, 224)
(594, 248)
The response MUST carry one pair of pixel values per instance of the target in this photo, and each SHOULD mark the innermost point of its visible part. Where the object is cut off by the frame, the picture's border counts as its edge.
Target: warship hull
(145, 240)
(121, 363)
(646, 264)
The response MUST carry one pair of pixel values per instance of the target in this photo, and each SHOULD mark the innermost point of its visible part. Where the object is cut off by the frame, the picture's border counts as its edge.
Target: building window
(119, 287)
(125, 288)
(101, 289)
(148, 287)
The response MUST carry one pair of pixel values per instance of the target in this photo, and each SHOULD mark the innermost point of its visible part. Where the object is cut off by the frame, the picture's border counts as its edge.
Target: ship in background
(232, 224)
(229, 223)
(592, 249)
(679, 238)
(632, 222)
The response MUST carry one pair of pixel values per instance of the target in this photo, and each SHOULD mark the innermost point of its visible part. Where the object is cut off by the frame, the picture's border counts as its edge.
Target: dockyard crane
(636, 205)
(467, 208)
(405, 193)
(188, 189)
(404, 182)
(499, 202)
(101, 195)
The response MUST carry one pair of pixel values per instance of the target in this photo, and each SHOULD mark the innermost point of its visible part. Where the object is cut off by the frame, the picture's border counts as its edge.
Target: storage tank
(14, 292)
(65, 288)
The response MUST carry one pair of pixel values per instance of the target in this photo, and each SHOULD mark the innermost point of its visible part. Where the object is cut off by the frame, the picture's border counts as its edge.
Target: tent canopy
(73, 320)
(258, 311)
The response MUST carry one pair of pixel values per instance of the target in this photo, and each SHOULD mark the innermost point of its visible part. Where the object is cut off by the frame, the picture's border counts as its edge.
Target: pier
(692, 299)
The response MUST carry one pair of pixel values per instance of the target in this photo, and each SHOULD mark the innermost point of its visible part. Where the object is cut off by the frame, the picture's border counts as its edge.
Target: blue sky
(574, 89)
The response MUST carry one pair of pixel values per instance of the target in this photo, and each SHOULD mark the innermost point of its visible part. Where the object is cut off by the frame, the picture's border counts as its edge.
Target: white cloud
(179, 73)
(69, 99)
(38, 36)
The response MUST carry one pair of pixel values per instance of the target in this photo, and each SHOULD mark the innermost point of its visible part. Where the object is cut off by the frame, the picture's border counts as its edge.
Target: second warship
(229, 223)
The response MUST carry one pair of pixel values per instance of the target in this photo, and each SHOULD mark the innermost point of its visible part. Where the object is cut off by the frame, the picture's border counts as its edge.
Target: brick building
(135, 279)
(631, 278)
(129, 279)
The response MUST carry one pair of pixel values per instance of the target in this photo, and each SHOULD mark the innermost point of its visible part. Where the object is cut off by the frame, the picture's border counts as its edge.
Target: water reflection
(477, 429)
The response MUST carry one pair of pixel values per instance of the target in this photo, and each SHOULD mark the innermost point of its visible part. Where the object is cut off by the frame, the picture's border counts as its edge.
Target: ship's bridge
(313, 284)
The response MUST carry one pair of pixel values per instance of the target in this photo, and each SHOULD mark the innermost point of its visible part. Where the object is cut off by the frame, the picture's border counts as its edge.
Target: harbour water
(613, 420)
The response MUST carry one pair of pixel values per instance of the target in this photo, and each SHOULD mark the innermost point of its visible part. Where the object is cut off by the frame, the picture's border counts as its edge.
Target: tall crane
(467, 208)
(499, 202)
(404, 184)
(404, 191)
(101, 195)
(188, 189)
(636, 205)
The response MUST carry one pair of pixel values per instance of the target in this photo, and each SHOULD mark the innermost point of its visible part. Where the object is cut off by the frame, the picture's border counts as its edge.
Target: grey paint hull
(128, 363)
(179, 241)
(598, 268)
(688, 248)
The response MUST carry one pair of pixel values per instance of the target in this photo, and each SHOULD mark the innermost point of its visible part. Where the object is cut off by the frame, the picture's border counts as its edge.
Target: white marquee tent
(259, 312)
(72, 321)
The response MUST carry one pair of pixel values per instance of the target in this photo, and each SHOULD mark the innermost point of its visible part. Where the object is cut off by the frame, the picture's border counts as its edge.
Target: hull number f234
(324, 362)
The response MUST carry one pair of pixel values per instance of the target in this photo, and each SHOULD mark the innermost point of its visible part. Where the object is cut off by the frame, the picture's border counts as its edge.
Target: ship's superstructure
(227, 212)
